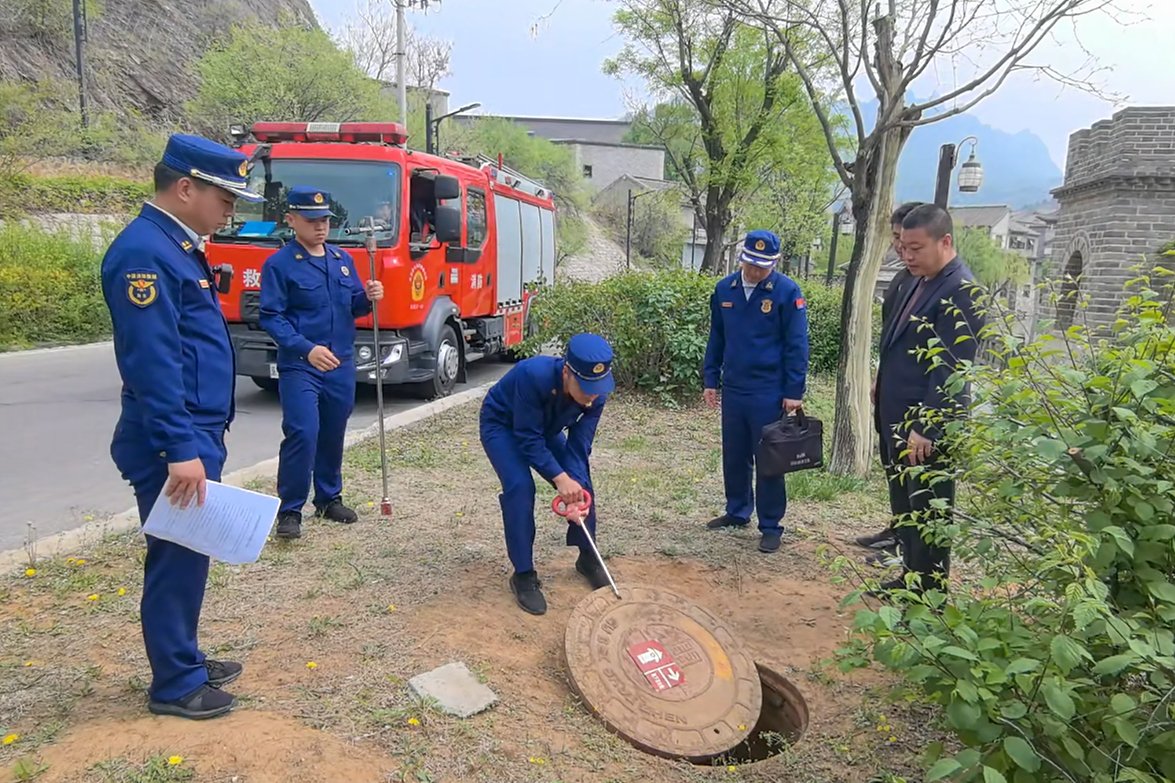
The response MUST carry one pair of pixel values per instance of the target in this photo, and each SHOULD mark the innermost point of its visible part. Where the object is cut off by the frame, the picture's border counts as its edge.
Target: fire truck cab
(466, 244)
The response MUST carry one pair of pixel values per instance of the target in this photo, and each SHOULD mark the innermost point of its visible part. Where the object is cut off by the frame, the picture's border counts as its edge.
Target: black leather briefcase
(790, 444)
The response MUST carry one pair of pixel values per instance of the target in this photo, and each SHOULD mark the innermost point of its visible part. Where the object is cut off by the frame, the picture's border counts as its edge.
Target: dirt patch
(331, 627)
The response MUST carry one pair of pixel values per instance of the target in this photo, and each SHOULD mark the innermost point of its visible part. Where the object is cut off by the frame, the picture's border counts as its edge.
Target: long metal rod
(587, 534)
(369, 227)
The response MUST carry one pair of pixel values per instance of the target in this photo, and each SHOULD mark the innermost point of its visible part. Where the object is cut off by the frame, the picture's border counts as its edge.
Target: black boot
(221, 673)
(884, 539)
(337, 512)
(204, 702)
(526, 591)
(587, 565)
(726, 520)
(289, 525)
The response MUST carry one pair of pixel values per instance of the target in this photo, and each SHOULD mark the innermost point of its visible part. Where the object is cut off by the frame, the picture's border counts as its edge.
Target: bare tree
(371, 39)
(883, 47)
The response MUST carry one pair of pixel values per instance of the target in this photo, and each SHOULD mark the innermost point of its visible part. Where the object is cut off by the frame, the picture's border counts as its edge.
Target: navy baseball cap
(589, 357)
(309, 202)
(205, 160)
(760, 248)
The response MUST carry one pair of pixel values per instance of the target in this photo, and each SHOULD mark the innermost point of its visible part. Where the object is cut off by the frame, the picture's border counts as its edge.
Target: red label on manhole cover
(656, 664)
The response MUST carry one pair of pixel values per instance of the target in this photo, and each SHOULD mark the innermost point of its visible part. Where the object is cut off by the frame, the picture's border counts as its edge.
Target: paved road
(57, 412)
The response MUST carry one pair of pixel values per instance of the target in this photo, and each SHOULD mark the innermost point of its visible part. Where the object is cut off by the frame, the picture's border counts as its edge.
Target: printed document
(231, 526)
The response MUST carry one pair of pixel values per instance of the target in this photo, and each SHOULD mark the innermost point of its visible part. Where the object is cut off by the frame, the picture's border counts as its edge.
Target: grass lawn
(331, 627)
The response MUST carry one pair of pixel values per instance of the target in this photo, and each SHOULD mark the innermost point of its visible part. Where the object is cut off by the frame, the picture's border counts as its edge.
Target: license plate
(272, 370)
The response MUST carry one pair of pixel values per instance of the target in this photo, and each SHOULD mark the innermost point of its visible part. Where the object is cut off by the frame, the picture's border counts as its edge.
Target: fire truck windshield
(358, 189)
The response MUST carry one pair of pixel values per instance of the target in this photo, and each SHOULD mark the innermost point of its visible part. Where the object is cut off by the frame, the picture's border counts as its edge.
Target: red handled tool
(577, 513)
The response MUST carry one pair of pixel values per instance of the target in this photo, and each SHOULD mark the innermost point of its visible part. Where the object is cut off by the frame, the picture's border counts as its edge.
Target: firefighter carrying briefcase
(790, 444)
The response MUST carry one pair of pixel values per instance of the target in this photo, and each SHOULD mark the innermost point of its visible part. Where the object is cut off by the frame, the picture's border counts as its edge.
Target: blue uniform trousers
(315, 409)
(518, 495)
(173, 575)
(743, 418)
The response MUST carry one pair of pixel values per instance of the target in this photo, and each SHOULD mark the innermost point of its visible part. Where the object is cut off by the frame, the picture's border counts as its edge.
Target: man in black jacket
(885, 541)
(938, 305)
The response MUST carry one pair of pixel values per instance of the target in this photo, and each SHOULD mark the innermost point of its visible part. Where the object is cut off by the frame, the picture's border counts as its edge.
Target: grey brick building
(1117, 206)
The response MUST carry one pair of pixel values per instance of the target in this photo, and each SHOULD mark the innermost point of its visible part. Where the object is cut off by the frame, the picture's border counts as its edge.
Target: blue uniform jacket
(529, 401)
(308, 301)
(171, 341)
(758, 345)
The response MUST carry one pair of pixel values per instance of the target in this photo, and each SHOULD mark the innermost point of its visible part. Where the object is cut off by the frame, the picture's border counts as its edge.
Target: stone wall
(1117, 208)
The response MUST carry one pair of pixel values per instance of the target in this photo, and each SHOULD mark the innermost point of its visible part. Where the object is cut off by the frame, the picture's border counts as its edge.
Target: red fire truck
(468, 244)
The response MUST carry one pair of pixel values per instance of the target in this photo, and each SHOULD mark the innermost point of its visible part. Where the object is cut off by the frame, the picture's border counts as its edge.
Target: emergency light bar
(350, 132)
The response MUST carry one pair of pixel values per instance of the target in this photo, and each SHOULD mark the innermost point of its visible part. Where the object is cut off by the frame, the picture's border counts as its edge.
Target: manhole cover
(665, 674)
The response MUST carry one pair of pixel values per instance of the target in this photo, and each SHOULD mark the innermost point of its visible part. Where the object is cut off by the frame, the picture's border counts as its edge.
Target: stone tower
(1117, 206)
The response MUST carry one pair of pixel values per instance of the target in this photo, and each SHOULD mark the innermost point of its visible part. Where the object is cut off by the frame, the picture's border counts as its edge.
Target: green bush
(1055, 661)
(659, 323)
(50, 289)
(89, 194)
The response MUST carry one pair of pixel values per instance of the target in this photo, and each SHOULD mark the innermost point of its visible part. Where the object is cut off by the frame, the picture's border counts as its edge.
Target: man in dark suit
(885, 541)
(908, 383)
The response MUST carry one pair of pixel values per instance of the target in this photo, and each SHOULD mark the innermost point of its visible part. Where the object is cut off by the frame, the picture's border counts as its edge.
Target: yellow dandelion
(29, 664)
(79, 562)
(30, 572)
(311, 665)
(460, 513)
(70, 560)
(414, 721)
(537, 760)
(89, 517)
(893, 739)
(371, 504)
(391, 607)
(11, 738)
(732, 768)
(175, 761)
(121, 591)
(92, 597)
(742, 727)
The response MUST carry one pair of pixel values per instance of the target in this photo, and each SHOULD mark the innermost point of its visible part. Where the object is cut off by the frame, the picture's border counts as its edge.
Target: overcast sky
(543, 57)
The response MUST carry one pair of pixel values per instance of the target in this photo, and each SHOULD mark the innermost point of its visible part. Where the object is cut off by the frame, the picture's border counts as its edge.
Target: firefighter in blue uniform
(523, 419)
(758, 355)
(310, 298)
(173, 351)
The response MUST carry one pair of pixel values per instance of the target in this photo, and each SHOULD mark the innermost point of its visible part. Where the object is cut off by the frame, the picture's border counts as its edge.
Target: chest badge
(766, 305)
(346, 271)
(203, 282)
(728, 304)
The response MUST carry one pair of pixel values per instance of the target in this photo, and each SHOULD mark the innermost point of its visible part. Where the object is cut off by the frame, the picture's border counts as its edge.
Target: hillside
(1017, 169)
(139, 52)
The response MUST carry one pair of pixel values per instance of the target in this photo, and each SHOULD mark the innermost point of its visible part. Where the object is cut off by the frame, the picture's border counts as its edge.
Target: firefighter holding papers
(758, 355)
(175, 358)
(310, 298)
(523, 419)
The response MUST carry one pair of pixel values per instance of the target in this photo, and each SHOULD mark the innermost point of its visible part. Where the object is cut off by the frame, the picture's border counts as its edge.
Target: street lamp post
(970, 174)
(432, 126)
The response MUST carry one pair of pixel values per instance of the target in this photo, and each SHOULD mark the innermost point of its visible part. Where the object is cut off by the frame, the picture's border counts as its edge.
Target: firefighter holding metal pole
(310, 298)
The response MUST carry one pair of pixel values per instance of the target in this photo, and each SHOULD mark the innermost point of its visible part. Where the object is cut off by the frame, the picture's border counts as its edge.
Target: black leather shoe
(527, 593)
(587, 565)
(337, 512)
(289, 525)
(769, 541)
(205, 702)
(221, 673)
(726, 520)
(884, 539)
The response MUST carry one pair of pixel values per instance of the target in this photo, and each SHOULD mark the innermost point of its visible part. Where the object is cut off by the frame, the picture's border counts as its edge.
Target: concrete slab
(455, 688)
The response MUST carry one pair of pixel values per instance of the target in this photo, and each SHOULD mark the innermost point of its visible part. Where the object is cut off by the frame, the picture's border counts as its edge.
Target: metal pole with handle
(368, 228)
(577, 513)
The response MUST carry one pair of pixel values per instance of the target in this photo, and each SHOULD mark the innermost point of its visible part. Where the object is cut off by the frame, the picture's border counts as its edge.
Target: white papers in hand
(231, 526)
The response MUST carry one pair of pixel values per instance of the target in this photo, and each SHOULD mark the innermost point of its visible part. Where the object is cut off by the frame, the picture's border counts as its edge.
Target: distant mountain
(1017, 169)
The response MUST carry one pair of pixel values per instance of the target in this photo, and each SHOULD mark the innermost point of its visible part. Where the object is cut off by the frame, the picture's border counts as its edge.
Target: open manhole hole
(671, 678)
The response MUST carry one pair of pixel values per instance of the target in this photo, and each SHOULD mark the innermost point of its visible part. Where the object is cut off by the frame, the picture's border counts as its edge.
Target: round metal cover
(665, 674)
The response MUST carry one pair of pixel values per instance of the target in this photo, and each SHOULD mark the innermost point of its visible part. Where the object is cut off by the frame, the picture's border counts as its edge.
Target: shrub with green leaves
(659, 323)
(50, 289)
(83, 194)
(1053, 656)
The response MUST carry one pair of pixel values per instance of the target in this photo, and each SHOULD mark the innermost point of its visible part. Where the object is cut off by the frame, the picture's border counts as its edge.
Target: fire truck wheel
(265, 384)
(448, 362)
